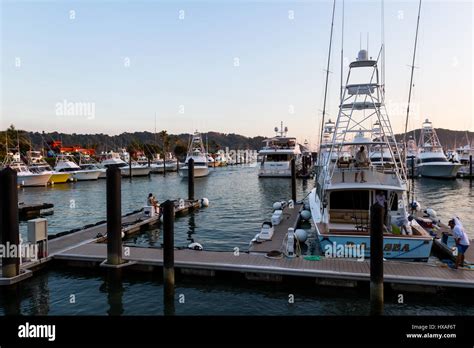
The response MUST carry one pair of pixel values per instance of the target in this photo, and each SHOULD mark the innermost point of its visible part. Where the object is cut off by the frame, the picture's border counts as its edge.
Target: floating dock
(85, 248)
(30, 211)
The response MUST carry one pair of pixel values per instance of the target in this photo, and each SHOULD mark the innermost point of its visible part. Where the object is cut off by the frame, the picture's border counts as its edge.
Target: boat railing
(385, 175)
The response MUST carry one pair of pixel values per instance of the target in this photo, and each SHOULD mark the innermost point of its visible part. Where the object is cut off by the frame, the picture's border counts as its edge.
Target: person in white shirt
(361, 161)
(461, 238)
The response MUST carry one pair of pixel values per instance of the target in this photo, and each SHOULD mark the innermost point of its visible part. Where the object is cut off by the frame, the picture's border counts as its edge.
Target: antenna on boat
(326, 84)
(342, 52)
(412, 188)
(411, 80)
(382, 34)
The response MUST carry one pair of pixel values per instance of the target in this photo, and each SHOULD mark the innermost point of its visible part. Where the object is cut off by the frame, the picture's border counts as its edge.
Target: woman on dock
(461, 238)
(152, 202)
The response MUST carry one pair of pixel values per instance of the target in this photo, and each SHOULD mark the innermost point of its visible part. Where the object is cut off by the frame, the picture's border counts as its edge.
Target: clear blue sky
(189, 63)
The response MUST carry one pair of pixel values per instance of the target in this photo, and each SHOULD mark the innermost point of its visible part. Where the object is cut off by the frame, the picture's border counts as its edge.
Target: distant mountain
(104, 142)
(450, 139)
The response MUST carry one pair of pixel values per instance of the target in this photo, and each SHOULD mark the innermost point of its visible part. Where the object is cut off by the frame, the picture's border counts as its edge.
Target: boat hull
(394, 247)
(198, 172)
(136, 171)
(444, 170)
(86, 175)
(59, 178)
(33, 180)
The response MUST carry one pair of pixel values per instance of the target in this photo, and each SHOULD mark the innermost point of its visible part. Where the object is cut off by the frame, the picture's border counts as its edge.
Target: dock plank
(290, 219)
(342, 269)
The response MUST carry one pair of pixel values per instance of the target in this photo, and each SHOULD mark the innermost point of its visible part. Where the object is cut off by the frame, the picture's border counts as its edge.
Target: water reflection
(11, 299)
(113, 286)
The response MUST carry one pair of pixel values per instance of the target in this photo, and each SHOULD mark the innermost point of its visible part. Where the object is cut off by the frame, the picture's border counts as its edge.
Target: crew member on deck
(361, 161)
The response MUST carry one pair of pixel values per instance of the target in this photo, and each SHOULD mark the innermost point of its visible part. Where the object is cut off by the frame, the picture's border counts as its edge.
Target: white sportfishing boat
(66, 164)
(277, 154)
(25, 177)
(465, 154)
(198, 154)
(431, 161)
(86, 162)
(37, 164)
(114, 159)
(340, 205)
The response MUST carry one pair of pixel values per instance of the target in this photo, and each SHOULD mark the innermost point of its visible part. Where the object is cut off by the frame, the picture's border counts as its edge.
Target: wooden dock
(341, 272)
(290, 218)
(30, 211)
(85, 247)
(94, 233)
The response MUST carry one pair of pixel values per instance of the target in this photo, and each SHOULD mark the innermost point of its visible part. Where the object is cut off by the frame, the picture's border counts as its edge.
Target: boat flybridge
(277, 154)
(198, 154)
(25, 177)
(431, 160)
(340, 204)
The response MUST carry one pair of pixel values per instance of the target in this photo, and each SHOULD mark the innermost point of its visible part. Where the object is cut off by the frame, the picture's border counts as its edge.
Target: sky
(231, 66)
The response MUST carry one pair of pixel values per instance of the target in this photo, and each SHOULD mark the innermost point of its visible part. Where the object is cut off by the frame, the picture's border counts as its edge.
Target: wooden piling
(470, 167)
(114, 216)
(164, 165)
(9, 228)
(168, 256)
(293, 180)
(376, 259)
(130, 165)
(191, 179)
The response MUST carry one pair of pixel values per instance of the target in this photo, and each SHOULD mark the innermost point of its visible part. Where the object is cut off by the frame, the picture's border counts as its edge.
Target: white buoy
(204, 202)
(305, 215)
(123, 235)
(301, 235)
(277, 206)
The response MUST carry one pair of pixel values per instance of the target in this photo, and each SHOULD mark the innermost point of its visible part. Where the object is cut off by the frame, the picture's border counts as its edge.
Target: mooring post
(9, 228)
(177, 164)
(115, 291)
(168, 256)
(130, 165)
(293, 180)
(164, 165)
(304, 165)
(191, 179)
(114, 216)
(470, 167)
(376, 259)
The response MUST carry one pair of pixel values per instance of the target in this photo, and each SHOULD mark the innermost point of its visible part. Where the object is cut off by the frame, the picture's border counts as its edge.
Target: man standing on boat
(361, 161)
(461, 238)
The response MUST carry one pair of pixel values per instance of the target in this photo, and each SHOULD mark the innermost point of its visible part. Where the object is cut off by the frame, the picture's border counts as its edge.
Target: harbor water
(239, 203)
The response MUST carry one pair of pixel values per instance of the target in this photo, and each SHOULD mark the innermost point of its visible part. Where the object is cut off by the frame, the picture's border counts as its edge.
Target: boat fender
(277, 206)
(305, 215)
(195, 246)
(204, 202)
(301, 235)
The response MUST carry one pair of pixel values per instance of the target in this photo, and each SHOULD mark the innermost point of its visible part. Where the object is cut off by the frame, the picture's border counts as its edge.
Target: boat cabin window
(277, 158)
(433, 159)
(350, 199)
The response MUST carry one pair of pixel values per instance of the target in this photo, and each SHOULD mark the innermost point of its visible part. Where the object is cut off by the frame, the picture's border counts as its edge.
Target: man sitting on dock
(152, 202)
(461, 238)
(361, 161)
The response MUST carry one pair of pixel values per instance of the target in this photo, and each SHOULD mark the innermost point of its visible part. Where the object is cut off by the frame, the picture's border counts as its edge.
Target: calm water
(239, 202)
